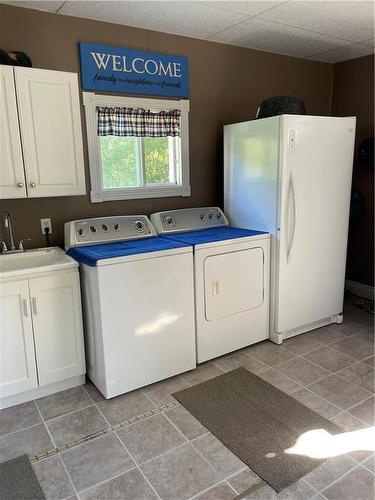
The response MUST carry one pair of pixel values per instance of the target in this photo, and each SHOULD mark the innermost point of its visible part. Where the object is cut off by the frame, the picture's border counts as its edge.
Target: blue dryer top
(90, 254)
(212, 235)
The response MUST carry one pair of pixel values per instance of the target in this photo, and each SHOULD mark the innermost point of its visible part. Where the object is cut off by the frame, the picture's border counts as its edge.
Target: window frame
(98, 193)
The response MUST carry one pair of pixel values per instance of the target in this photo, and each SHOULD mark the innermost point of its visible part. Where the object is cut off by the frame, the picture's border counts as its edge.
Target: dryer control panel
(107, 229)
(188, 219)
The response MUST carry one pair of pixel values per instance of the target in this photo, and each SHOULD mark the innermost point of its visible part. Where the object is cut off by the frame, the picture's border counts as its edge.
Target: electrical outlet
(46, 223)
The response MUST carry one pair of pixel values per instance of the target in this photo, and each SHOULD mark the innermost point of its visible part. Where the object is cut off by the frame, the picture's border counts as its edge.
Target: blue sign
(115, 69)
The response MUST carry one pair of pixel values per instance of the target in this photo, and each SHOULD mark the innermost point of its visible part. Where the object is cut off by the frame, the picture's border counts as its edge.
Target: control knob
(169, 221)
(139, 226)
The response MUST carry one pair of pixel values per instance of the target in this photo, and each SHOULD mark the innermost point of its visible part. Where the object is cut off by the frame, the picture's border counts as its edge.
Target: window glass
(119, 161)
(137, 161)
(157, 157)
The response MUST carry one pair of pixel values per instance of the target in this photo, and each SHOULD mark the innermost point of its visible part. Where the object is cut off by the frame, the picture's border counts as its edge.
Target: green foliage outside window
(156, 159)
(119, 160)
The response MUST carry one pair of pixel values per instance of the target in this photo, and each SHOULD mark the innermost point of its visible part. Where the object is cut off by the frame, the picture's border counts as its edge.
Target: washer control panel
(107, 229)
(188, 219)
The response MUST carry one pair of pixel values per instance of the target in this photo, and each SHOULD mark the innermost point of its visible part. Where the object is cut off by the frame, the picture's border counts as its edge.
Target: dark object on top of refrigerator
(281, 105)
(366, 153)
(15, 58)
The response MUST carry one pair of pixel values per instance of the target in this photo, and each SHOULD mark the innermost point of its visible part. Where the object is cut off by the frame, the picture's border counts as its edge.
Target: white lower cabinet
(18, 367)
(41, 335)
(56, 312)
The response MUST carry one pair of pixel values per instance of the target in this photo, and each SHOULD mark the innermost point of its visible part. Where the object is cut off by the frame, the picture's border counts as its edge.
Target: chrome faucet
(8, 225)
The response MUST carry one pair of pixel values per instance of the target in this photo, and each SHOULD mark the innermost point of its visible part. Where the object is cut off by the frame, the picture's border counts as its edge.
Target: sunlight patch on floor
(319, 443)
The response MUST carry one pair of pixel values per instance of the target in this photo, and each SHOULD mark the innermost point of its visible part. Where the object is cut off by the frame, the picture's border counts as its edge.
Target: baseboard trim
(39, 392)
(278, 338)
(364, 291)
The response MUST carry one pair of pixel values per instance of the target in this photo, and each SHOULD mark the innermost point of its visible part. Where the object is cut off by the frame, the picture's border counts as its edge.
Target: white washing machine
(138, 297)
(231, 269)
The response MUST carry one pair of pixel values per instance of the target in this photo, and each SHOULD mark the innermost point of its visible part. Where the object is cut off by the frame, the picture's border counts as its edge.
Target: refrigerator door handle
(291, 216)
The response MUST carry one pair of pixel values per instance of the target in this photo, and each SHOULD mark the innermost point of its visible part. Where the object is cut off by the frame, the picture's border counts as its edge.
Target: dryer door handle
(215, 288)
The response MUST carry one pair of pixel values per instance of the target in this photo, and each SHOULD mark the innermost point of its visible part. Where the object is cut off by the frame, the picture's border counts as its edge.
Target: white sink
(35, 261)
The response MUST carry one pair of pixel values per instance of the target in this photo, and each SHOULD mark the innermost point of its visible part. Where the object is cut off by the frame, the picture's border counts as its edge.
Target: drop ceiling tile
(251, 8)
(370, 42)
(343, 54)
(350, 20)
(273, 37)
(46, 5)
(193, 19)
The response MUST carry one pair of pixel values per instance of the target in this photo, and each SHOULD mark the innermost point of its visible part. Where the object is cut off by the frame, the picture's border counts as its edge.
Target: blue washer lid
(213, 234)
(90, 254)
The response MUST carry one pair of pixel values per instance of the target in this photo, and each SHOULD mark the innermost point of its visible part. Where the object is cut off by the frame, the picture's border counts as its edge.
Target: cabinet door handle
(33, 185)
(35, 305)
(25, 308)
(20, 184)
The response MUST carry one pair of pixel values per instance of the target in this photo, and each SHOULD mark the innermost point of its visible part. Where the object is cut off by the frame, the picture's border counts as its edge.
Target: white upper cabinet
(12, 176)
(48, 128)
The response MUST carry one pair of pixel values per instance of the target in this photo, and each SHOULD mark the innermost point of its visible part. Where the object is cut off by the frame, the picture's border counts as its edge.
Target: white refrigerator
(291, 175)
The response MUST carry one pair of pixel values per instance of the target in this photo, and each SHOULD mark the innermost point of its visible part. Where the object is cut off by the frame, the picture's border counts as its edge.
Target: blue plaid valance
(138, 122)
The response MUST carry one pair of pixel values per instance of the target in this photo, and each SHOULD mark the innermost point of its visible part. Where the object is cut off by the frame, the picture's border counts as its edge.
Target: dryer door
(233, 283)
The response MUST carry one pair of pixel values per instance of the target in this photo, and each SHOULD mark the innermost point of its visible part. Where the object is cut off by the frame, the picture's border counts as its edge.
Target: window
(150, 160)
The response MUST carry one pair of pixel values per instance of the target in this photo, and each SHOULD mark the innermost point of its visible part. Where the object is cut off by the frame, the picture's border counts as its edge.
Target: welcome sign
(116, 69)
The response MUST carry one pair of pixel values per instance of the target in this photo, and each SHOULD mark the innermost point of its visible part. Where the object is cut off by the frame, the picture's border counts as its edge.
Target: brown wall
(226, 85)
(353, 95)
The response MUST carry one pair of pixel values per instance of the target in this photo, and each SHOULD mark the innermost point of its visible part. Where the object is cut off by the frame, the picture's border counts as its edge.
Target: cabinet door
(17, 355)
(50, 122)
(57, 320)
(12, 177)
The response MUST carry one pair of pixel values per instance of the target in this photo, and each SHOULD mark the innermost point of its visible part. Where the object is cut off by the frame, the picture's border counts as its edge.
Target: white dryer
(231, 269)
(138, 294)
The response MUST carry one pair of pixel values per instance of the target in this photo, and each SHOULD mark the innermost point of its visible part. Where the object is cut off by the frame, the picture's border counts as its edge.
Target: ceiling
(328, 31)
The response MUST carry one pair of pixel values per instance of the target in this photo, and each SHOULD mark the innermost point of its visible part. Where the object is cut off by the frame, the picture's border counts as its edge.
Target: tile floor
(170, 455)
